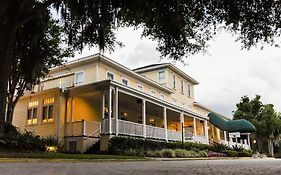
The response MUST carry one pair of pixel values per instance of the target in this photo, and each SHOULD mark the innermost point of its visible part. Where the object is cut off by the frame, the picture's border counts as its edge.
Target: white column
(109, 109)
(206, 131)
(224, 133)
(165, 123)
(248, 140)
(83, 127)
(116, 110)
(144, 118)
(182, 125)
(194, 128)
(71, 115)
(102, 113)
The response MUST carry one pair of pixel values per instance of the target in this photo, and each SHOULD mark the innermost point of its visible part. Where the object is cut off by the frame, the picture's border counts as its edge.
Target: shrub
(154, 153)
(216, 154)
(169, 153)
(231, 153)
(216, 147)
(181, 153)
(245, 153)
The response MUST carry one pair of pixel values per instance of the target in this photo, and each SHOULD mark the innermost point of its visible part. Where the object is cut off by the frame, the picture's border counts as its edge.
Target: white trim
(139, 85)
(122, 78)
(152, 92)
(83, 75)
(97, 71)
(106, 75)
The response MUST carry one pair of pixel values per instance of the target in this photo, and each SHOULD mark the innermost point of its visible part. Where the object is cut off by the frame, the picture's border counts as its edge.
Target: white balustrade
(83, 128)
(130, 128)
(174, 135)
(155, 132)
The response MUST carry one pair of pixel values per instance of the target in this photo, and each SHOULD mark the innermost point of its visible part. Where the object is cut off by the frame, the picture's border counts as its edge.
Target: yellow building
(94, 98)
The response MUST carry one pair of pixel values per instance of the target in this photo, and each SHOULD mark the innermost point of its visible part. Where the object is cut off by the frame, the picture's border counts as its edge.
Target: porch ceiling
(242, 125)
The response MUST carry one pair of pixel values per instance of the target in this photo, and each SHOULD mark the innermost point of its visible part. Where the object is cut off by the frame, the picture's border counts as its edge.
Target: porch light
(124, 114)
(151, 120)
(208, 127)
(106, 109)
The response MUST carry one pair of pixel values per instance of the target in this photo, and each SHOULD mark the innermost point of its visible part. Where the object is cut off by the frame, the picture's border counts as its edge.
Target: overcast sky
(225, 74)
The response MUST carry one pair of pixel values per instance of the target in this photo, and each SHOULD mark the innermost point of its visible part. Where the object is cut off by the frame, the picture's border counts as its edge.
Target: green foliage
(26, 141)
(263, 117)
(169, 153)
(231, 153)
(219, 147)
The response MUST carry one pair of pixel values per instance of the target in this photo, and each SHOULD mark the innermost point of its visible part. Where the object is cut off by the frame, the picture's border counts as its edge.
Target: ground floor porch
(101, 111)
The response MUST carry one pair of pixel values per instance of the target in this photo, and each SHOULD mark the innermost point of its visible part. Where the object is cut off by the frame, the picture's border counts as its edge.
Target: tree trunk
(7, 34)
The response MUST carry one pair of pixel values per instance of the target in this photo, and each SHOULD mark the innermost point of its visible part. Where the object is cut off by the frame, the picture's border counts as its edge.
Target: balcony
(64, 81)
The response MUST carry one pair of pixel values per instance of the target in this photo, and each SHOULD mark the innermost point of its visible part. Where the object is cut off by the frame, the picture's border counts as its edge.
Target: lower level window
(48, 113)
(31, 116)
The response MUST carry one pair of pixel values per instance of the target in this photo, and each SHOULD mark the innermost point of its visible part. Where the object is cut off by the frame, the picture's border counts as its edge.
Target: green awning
(241, 125)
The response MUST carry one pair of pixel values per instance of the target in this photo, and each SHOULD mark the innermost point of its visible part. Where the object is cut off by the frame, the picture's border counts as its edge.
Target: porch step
(95, 148)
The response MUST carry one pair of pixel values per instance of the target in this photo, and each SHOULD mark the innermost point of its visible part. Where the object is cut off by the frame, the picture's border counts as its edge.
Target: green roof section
(241, 125)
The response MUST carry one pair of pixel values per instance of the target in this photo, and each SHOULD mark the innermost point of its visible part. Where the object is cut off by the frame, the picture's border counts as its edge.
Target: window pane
(110, 76)
(29, 114)
(161, 77)
(51, 112)
(125, 82)
(79, 77)
(45, 112)
(34, 113)
(174, 81)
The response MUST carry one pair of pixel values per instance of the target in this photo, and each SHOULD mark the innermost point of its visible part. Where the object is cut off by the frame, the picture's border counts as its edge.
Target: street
(210, 167)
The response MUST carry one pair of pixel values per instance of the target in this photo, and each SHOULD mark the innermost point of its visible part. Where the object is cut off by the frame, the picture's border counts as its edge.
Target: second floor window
(125, 81)
(161, 76)
(139, 87)
(182, 86)
(79, 78)
(110, 76)
(48, 110)
(153, 93)
(174, 81)
(189, 90)
(162, 96)
(32, 112)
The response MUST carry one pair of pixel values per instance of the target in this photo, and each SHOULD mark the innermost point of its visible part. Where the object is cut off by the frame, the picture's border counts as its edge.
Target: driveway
(208, 167)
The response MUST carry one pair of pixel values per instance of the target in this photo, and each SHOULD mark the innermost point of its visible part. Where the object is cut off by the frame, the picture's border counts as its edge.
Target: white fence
(83, 128)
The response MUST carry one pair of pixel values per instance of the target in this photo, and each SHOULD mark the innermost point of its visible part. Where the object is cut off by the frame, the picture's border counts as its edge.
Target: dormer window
(161, 76)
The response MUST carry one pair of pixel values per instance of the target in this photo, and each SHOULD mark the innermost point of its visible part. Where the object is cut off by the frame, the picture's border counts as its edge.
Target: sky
(225, 73)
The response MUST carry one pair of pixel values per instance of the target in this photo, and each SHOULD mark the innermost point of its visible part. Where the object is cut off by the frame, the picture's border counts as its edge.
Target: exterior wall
(43, 129)
(132, 82)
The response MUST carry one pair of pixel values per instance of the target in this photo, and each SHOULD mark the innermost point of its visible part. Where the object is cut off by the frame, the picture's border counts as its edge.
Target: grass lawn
(47, 155)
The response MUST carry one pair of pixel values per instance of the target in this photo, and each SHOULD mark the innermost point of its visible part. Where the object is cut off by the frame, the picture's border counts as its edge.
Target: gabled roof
(166, 65)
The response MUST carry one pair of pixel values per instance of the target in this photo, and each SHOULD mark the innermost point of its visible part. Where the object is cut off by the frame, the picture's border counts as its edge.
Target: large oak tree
(181, 27)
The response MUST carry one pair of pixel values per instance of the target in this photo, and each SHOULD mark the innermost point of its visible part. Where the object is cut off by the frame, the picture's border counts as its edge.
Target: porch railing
(232, 144)
(200, 139)
(83, 128)
(130, 128)
(174, 135)
(61, 82)
(155, 132)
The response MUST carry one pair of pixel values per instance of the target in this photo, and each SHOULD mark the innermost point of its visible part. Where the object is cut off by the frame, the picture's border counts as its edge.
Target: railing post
(83, 127)
(248, 140)
(102, 113)
(165, 123)
(144, 118)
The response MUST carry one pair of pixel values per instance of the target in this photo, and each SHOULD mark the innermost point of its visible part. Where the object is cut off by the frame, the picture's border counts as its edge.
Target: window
(110, 76)
(162, 96)
(125, 81)
(174, 81)
(161, 76)
(32, 112)
(79, 78)
(182, 88)
(139, 87)
(174, 102)
(189, 90)
(153, 93)
(48, 110)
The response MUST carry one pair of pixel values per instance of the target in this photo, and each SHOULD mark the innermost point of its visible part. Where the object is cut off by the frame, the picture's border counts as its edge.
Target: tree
(180, 27)
(32, 63)
(264, 118)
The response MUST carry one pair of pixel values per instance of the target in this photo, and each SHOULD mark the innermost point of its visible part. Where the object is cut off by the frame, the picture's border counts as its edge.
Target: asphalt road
(194, 167)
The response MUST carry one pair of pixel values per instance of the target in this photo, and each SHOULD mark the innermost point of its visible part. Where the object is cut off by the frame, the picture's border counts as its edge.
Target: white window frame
(182, 86)
(164, 73)
(174, 81)
(139, 85)
(153, 92)
(108, 72)
(83, 78)
(47, 120)
(125, 80)
(33, 120)
(189, 90)
(162, 96)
